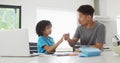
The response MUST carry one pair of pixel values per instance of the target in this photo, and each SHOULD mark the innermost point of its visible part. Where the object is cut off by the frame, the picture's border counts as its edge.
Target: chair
(33, 47)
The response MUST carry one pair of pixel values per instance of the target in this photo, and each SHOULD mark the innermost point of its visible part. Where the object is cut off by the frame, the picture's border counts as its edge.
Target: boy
(45, 42)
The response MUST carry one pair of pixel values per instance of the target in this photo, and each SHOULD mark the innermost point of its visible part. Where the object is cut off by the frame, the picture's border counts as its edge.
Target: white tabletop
(106, 57)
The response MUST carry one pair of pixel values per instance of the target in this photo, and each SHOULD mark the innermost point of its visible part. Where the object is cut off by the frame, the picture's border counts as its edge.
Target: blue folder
(89, 52)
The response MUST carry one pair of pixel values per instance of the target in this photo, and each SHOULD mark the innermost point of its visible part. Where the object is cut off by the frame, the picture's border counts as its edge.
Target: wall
(28, 14)
(29, 10)
(109, 8)
(113, 10)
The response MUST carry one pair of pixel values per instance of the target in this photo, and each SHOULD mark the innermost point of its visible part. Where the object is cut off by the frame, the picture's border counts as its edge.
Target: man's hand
(71, 42)
(98, 45)
(67, 36)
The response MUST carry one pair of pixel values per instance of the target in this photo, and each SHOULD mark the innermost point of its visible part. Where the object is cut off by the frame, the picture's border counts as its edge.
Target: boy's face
(48, 30)
(84, 19)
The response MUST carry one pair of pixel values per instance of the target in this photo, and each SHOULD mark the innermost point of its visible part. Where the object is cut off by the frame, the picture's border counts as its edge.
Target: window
(10, 17)
(63, 21)
(118, 25)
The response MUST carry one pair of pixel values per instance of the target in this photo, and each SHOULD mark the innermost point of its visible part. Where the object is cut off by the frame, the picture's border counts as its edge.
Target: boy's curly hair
(41, 25)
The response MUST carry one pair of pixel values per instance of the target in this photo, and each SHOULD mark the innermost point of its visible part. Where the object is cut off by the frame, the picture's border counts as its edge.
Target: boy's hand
(62, 39)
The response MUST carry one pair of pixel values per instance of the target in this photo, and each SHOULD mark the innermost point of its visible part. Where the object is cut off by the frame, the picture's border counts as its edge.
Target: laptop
(15, 43)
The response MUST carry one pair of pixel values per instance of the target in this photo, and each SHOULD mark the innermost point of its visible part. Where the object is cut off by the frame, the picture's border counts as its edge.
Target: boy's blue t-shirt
(43, 41)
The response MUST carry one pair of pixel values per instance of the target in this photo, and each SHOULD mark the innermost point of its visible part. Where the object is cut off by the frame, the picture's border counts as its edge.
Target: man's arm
(98, 45)
(100, 39)
(75, 39)
(72, 41)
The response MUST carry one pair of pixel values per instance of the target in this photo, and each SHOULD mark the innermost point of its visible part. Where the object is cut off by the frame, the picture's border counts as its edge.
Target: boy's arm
(50, 49)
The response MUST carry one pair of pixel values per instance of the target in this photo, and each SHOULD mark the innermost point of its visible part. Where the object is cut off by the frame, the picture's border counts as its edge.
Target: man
(90, 33)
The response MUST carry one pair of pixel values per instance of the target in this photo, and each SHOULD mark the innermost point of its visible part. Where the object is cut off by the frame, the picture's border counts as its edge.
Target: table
(106, 57)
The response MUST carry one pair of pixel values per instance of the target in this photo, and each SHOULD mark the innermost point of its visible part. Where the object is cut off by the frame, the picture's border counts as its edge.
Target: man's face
(84, 19)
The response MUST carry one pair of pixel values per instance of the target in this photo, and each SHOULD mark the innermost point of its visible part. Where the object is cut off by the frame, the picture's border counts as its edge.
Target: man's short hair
(86, 9)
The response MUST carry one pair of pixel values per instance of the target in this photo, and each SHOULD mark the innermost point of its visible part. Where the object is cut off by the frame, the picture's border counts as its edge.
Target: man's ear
(89, 17)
